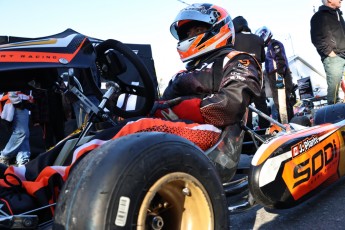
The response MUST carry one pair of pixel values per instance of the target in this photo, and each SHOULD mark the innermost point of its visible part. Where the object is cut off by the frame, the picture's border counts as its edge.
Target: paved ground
(324, 211)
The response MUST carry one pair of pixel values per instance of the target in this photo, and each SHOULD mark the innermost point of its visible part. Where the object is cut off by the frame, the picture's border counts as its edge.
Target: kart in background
(156, 180)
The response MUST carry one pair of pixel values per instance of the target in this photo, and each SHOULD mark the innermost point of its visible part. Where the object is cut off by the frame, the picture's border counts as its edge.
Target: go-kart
(154, 180)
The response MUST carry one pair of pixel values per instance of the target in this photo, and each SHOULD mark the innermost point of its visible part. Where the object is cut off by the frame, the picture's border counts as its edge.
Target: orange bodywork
(304, 160)
(311, 168)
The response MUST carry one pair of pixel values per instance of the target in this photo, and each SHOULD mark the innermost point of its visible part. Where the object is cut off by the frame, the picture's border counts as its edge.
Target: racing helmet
(220, 30)
(265, 33)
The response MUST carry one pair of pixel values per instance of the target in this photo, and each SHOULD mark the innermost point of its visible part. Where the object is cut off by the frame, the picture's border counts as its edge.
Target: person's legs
(274, 90)
(290, 95)
(274, 112)
(249, 123)
(24, 153)
(261, 104)
(19, 136)
(334, 68)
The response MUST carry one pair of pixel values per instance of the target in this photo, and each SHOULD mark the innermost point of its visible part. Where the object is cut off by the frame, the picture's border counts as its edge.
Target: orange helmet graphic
(220, 30)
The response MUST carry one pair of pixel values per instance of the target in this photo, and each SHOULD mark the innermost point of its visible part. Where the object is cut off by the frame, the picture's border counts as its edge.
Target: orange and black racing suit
(212, 93)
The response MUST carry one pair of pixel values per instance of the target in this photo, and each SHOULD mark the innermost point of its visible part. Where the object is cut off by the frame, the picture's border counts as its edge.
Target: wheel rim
(176, 201)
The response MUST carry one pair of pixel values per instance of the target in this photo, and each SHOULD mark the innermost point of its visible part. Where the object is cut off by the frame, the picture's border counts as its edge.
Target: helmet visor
(193, 13)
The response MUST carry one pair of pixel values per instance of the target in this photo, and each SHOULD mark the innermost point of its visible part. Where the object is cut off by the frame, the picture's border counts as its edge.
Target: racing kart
(155, 180)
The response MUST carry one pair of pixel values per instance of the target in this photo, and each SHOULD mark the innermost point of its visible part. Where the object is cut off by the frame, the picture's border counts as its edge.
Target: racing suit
(221, 87)
(253, 44)
(276, 63)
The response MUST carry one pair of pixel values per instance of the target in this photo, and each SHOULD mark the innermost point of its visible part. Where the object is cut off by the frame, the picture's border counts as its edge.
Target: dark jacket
(246, 41)
(251, 43)
(225, 85)
(327, 30)
(276, 60)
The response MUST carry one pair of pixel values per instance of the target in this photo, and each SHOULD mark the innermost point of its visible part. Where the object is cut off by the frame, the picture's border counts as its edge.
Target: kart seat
(226, 152)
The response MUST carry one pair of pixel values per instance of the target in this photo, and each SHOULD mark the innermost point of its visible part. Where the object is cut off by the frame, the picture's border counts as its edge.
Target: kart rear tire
(158, 180)
(330, 114)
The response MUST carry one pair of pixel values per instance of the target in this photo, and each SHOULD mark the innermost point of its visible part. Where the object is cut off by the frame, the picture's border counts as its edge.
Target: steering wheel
(114, 65)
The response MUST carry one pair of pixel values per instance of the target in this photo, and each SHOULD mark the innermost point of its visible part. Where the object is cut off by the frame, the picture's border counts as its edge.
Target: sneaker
(4, 160)
(23, 162)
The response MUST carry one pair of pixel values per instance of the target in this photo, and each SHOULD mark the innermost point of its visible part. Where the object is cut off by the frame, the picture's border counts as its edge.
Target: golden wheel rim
(176, 201)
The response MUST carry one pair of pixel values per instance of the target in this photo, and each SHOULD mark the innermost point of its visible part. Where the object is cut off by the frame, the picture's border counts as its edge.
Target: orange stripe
(79, 154)
(40, 182)
(317, 130)
(138, 126)
(28, 43)
(28, 56)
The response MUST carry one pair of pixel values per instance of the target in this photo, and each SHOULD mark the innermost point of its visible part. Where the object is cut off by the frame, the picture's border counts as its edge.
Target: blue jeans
(274, 112)
(334, 68)
(80, 112)
(19, 144)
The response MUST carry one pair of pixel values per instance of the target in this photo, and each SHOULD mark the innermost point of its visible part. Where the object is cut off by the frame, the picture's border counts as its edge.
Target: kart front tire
(301, 120)
(143, 181)
(330, 114)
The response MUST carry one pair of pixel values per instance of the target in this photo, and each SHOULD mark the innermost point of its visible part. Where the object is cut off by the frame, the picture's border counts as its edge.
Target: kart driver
(212, 93)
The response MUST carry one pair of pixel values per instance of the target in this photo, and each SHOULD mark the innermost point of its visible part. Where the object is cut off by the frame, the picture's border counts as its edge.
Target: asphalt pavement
(326, 210)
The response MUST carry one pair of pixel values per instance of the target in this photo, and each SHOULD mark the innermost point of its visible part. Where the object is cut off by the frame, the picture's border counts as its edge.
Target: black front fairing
(44, 59)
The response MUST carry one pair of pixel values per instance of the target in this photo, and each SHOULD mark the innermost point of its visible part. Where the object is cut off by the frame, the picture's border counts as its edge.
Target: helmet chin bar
(186, 46)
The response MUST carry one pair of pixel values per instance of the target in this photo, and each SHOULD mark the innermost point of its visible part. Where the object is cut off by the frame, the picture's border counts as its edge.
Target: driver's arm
(241, 81)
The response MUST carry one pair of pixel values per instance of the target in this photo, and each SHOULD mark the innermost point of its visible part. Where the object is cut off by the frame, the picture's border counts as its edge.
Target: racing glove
(178, 108)
(162, 109)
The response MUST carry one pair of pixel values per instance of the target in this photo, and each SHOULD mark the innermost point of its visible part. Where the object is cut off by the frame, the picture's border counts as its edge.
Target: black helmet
(240, 24)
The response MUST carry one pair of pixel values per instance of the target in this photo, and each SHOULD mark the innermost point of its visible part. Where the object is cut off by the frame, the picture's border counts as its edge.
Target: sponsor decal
(244, 63)
(304, 145)
(237, 76)
(312, 163)
(26, 56)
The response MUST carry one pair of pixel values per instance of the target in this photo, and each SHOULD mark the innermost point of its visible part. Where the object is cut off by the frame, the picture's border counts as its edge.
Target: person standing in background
(327, 31)
(278, 75)
(253, 44)
(16, 110)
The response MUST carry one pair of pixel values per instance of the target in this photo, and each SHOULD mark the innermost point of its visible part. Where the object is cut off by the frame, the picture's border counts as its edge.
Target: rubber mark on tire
(122, 212)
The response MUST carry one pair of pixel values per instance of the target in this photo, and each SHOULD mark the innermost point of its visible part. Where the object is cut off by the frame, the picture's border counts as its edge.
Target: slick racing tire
(330, 114)
(301, 120)
(143, 181)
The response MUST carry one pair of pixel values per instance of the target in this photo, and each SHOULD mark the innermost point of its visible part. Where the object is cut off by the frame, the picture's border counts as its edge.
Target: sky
(148, 22)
